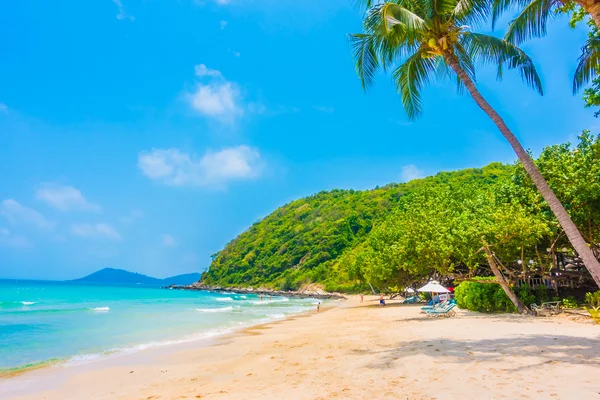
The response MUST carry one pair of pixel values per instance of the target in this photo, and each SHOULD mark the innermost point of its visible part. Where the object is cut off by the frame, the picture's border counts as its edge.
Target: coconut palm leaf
(532, 21)
(588, 64)
(364, 53)
(410, 77)
(492, 50)
(472, 12)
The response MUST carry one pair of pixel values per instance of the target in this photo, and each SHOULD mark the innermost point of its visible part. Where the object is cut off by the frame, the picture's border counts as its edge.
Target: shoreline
(299, 294)
(87, 358)
(352, 351)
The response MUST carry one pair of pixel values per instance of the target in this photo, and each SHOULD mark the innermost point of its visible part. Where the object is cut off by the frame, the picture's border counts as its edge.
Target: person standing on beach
(261, 297)
(381, 300)
(361, 297)
(319, 307)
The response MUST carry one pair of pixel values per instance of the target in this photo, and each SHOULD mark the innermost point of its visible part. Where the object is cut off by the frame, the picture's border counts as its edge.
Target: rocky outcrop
(300, 294)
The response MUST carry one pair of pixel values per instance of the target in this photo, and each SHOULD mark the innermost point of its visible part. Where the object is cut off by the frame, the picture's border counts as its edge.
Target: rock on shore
(314, 293)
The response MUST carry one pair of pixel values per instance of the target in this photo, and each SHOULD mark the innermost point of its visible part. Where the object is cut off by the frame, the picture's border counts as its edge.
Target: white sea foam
(276, 316)
(85, 358)
(214, 310)
(227, 293)
(223, 299)
(265, 302)
(101, 309)
(243, 297)
(28, 303)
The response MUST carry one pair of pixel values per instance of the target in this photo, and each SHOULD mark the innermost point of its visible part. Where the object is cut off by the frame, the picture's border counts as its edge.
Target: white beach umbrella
(433, 287)
(410, 290)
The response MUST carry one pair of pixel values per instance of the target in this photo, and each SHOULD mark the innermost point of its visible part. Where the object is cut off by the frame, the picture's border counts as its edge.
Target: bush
(482, 297)
(593, 300)
(570, 302)
(490, 297)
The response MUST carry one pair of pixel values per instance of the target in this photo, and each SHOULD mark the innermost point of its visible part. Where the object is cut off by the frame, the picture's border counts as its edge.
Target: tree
(532, 22)
(534, 16)
(430, 37)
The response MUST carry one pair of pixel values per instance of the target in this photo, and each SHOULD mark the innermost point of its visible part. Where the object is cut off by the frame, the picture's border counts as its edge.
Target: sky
(146, 134)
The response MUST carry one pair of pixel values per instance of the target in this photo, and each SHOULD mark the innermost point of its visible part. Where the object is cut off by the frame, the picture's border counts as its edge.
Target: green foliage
(570, 302)
(589, 60)
(402, 234)
(490, 297)
(593, 300)
(482, 297)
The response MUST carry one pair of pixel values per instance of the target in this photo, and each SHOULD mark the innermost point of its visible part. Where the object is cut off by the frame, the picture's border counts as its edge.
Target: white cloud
(235, 52)
(218, 100)
(17, 214)
(168, 241)
(223, 24)
(64, 198)
(203, 70)
(99, 230)
(215, 168)
(7, 239)
(410, 172)
(322, 109)
(3, 108)
(222, 2)
(123, 14)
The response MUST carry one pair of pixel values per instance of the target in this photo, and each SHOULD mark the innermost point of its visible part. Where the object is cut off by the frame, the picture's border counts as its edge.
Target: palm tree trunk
(592, 7)
(557, 208)
(521, 308)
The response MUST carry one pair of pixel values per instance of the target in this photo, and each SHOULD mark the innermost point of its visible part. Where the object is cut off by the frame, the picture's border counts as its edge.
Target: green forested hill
(402, 234)
(303, 241)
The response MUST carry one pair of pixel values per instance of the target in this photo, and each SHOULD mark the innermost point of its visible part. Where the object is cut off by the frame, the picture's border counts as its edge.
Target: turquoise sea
(53, 321)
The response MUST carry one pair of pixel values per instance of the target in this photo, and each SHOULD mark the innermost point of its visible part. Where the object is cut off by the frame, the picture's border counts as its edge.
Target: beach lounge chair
(411, 300)
(446, 311)
(444, 303)
(434, 307)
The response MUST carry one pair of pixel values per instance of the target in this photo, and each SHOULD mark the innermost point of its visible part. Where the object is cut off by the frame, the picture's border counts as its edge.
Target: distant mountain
(122, 277)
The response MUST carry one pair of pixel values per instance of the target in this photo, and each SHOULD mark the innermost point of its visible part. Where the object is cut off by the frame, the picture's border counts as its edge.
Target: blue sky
(146, 134)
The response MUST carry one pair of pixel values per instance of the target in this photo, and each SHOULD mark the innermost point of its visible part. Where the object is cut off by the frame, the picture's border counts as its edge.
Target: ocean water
(44, 322)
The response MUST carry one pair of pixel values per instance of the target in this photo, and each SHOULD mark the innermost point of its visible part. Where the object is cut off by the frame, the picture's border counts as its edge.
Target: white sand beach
(352, 351)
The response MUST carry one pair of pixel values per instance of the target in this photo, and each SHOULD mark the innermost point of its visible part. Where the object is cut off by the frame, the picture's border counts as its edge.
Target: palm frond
(588, 64)
(499, 7)
(436, 8)
(472, 12)
(396, 31)
(465, 60)
(381, 18)
(531, 22)
(490, 49)
(410, 77)
(365, 57)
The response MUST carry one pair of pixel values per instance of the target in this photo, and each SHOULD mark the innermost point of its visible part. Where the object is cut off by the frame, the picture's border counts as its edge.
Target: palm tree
(432, 37)
(536, 13)
(532, 22)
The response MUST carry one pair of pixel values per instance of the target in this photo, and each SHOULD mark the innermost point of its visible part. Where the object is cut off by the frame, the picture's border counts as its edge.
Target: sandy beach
(350, 351)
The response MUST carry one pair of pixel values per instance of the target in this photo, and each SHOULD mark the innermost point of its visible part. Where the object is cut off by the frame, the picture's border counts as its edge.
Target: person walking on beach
(381, 300)
(361, 297)
(319, 307)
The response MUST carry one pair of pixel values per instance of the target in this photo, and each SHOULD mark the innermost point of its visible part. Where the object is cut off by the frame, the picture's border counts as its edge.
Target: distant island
(122, 277)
